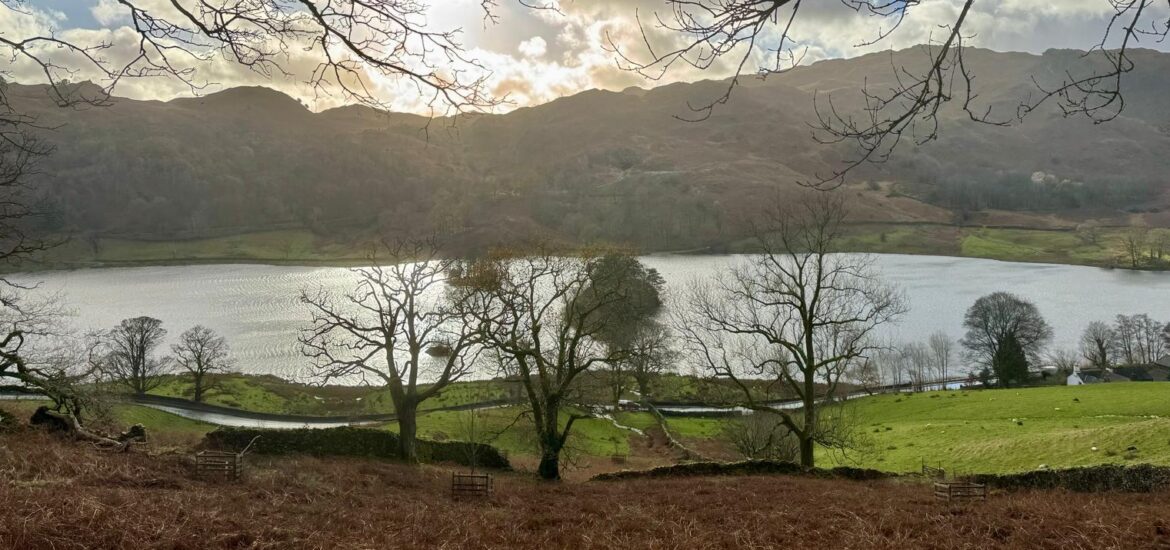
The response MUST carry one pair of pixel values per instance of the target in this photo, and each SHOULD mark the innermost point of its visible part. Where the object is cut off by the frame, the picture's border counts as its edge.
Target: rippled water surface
(256, 306)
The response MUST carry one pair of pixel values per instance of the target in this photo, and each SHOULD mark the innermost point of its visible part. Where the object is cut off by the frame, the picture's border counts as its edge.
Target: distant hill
(614, 166)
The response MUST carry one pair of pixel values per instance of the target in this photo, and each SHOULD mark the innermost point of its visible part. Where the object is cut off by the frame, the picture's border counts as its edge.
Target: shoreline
(360, 262)
(298, 247)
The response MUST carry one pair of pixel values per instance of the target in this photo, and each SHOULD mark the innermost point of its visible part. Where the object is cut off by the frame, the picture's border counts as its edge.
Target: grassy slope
(1022, 245)
(302, 247)
(1016, 430)
(287, 246)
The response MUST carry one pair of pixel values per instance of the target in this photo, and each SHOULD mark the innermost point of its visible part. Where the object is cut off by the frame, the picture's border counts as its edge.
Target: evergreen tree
(1010, 362)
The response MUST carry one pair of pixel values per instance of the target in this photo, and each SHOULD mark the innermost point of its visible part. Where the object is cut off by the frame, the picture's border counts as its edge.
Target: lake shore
(303, 248)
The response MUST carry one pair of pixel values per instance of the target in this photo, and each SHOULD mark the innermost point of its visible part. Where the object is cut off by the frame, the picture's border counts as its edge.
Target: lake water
(256, 306)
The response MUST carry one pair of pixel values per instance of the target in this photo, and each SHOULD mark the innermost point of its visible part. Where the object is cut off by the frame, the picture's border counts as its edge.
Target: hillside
(69, 495)
(615, 166)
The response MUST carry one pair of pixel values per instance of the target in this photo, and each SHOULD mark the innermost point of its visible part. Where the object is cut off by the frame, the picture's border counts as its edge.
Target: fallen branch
(69, 423)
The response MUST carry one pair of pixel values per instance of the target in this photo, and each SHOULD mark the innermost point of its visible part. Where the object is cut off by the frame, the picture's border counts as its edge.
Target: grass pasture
(1013, 430)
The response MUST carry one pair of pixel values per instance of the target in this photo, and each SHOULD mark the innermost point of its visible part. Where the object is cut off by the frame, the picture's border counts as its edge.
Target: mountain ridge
(599, 165)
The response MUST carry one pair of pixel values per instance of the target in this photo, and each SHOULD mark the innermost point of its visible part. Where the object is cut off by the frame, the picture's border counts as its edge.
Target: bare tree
(1138, 339)
(918, 359)
(888, 360)
(867, 373)
(36, 353)
(525, 306)
(1097, 345)
(396, 327)
(650, 354)
(761, 436)
(1089, 232)
(1133, 243)
(1065, 360)
(942, 349)
(797, 315)
(128, 357)
(705, 33)
(202, 353)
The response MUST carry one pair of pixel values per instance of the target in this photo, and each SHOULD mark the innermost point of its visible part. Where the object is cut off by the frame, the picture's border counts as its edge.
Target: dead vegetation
(62, 494)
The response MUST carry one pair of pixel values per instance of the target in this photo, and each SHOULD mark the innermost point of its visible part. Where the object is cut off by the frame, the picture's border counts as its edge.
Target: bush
(8, 422)
(349, 441)
(1141, 478)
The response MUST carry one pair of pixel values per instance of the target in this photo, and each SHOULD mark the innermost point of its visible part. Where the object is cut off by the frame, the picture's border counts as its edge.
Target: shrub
(349, 441)
(8, 422)
(1142, 478)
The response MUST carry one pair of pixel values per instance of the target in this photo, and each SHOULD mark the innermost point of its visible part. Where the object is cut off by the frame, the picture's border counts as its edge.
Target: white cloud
(570, 51)
(533, 47)
(109, 12)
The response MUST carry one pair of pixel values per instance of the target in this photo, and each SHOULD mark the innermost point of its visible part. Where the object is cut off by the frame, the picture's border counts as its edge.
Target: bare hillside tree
(1097, 345)
(1137, 339)
(942, 349)
(530, 309)
(1133, 244)
(1065, 360)
(35, 356)
(706, 34)
(918, 358)
(395, 327)
(202, 354)
(761, 436)
(128, 357)
(867, 373)
(650, 354)
(796, 315)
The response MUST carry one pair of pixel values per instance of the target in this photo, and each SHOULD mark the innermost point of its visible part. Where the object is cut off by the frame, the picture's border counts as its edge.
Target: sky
(535, 56)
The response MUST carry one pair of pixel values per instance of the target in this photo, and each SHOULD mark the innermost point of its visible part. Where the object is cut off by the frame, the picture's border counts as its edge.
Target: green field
(1017, 429)
(293, 246)
(271, 394)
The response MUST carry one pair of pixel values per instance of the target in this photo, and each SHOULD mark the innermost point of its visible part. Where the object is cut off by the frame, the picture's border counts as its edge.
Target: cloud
(533, 47)
(535, 56)
(109, 12)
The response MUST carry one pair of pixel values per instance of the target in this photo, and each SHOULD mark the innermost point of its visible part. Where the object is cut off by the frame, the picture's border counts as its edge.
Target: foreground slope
(64, 495)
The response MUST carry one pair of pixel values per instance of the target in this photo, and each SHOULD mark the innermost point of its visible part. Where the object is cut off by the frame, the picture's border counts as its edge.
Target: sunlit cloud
(534, 56)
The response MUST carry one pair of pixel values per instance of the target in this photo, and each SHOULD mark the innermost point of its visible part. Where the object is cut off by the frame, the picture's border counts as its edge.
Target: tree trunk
(408, 433)
(807, 446)
(198, 388)
(550, 466)
(550, 445)
(643, 387)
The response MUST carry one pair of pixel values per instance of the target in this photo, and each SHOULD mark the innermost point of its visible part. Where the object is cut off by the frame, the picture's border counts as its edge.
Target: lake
(256, 306)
